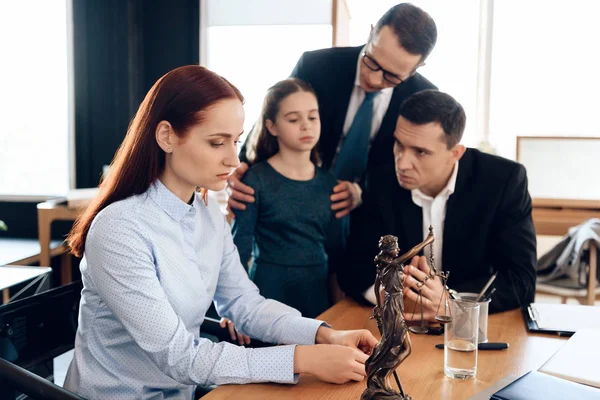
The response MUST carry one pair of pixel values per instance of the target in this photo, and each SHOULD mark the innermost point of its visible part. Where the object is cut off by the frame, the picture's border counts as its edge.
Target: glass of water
(460, 340)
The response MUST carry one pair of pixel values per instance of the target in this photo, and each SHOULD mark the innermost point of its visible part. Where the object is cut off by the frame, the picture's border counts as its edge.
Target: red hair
(181, 98)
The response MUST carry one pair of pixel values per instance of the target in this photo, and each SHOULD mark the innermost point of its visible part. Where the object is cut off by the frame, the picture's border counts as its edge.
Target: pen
(487, 285)
(564, 334)
(483, 346)
(450, 293)
(489, 295)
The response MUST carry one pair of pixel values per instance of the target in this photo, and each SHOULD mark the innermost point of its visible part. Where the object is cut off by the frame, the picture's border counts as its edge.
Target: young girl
(156, 254)
(290, 231)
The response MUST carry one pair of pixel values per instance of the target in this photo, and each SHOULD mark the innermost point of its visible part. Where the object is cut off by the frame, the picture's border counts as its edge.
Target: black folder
(561, 319)
(532, 325)
(539, 386)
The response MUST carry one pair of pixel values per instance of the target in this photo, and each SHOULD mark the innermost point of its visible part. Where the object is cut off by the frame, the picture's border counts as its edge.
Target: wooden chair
(585, 296)
(48, 212)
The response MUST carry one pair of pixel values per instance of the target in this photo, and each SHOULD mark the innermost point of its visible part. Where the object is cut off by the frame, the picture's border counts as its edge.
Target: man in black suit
(342, 78)
(478, 205)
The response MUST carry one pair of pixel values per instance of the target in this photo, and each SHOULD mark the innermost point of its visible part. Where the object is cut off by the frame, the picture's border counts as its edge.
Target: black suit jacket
(331, 72)
(488, 227)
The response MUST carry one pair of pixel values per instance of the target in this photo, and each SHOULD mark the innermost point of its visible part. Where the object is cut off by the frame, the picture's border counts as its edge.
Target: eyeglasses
(374, 66)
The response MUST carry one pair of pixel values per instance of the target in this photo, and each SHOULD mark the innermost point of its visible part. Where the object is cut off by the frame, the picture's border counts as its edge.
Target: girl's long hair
(181, 97)
(261, 144)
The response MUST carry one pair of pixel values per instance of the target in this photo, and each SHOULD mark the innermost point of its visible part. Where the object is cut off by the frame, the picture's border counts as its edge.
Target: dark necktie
(351, 162)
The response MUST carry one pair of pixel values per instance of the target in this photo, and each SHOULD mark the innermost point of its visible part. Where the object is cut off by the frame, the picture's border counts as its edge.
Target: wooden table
(421, 373)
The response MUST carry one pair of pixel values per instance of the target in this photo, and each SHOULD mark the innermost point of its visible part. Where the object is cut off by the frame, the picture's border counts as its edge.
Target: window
(545, 71)
(233, 53)
(34, 100)
(255, 44)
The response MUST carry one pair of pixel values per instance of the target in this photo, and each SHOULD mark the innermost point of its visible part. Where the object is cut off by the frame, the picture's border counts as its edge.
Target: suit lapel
(346, 77)
(341, 105)
(390, 118)
(412, 220)
(457, 213)
(407, 219)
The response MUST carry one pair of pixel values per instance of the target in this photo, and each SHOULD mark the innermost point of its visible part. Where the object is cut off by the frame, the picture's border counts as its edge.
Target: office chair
(36, 329)
(14, 377)
(33, 331)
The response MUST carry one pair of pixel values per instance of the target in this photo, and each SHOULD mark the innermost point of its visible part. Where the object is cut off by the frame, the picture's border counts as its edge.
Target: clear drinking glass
(460, 340)
(484, 307)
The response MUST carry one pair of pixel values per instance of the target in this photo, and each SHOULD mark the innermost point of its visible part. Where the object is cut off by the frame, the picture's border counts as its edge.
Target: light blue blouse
(152, 266)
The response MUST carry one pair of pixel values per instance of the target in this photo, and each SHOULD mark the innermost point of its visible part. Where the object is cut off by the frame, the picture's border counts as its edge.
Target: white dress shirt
(380, 105)
(153, 265)
(434, 214)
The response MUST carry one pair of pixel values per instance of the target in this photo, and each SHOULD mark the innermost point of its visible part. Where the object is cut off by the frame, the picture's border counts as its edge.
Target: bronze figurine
(395, 345)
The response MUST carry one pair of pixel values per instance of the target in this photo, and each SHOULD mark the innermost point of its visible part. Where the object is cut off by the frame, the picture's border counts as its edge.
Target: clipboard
(531, 318)
(560, 319)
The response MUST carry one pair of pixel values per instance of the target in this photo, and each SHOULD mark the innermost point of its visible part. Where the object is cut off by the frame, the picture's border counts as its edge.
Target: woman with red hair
(156, 254)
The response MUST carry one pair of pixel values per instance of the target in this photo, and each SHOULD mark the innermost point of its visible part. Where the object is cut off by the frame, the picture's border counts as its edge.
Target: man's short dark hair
(434, 106)
(415, 29)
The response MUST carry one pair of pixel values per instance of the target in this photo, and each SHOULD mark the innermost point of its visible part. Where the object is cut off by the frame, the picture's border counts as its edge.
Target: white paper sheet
(577, 360)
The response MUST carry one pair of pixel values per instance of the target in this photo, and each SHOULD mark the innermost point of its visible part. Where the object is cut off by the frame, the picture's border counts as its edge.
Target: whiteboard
(561, 167)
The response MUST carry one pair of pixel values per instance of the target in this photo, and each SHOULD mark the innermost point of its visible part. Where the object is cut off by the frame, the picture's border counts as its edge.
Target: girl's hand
(330, 363)
(242, 339)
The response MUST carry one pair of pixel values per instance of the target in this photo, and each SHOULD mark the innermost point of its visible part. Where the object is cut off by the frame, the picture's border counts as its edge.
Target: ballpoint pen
(488, 295)
(450, 293)
(483, 346)
(564, 334)
(487, 285)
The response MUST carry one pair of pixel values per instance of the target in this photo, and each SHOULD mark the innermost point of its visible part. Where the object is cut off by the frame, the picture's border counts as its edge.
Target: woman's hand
(235, 335)
(361, 339)
(330, 363)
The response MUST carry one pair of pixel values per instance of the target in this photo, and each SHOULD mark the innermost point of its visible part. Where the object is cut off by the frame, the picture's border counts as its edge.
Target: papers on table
(577, 360)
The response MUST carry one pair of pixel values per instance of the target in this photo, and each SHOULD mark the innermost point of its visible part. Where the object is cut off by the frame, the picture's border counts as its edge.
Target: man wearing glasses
(360, 90)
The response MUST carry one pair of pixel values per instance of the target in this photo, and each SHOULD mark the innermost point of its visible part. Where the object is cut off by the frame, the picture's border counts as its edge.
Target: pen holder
(483, 314)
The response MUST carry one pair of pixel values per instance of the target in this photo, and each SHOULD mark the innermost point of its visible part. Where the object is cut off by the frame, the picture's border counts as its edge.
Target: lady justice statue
(394, 345)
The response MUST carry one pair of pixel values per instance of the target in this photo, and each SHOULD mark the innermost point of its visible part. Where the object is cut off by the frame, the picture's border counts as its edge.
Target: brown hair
(181, 97)
(415, 29)
(261, 144)
(434, 106)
